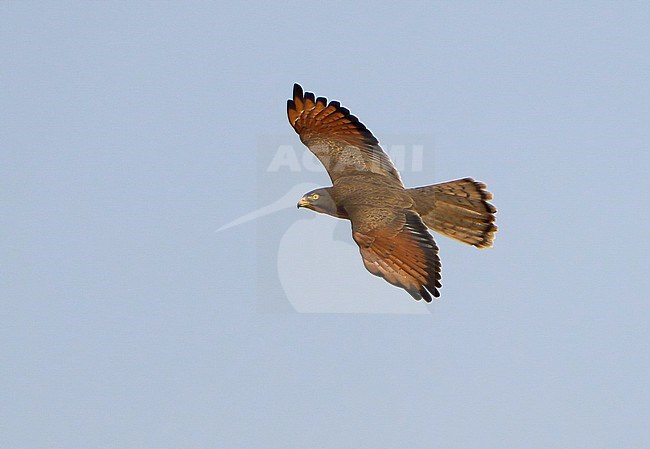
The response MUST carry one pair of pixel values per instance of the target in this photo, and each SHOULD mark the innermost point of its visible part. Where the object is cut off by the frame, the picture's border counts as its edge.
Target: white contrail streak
(290, 199)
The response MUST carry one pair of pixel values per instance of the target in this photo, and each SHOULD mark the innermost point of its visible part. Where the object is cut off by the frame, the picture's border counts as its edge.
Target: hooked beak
(302, 203)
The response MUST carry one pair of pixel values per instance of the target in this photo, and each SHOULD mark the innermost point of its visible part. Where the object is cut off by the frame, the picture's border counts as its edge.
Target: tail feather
(458, 209)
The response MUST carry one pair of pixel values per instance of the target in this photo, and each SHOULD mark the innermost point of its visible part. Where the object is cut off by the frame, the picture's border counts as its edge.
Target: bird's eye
(315, 196)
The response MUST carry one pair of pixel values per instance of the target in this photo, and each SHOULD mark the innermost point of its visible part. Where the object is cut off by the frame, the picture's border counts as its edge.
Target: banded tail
(458, 209)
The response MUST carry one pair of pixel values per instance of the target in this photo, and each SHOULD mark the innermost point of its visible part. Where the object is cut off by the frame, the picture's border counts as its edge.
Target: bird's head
(319, 200)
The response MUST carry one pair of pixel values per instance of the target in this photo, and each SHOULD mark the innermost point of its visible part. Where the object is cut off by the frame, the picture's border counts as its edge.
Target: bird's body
(369, 190)
(389, 222)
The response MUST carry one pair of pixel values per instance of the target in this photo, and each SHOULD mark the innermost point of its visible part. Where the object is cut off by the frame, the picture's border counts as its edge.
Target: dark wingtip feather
(426, 296)
(297, 91)
(433, 261)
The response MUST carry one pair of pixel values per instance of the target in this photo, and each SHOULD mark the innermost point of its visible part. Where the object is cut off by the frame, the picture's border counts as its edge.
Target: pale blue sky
(130, 131)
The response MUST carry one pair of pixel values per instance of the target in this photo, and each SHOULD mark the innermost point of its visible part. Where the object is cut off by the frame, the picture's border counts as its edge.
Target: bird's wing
(396, 245)
(338, 139)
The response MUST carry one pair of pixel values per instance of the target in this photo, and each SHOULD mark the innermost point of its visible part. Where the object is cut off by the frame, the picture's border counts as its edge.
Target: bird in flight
(389, 221)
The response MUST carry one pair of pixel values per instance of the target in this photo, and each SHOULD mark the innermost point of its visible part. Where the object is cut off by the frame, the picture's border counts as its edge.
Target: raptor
(389, 222)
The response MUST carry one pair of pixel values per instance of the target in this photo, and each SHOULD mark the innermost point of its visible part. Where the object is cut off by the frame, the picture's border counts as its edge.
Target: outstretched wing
(338, 139)
(399, 249)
